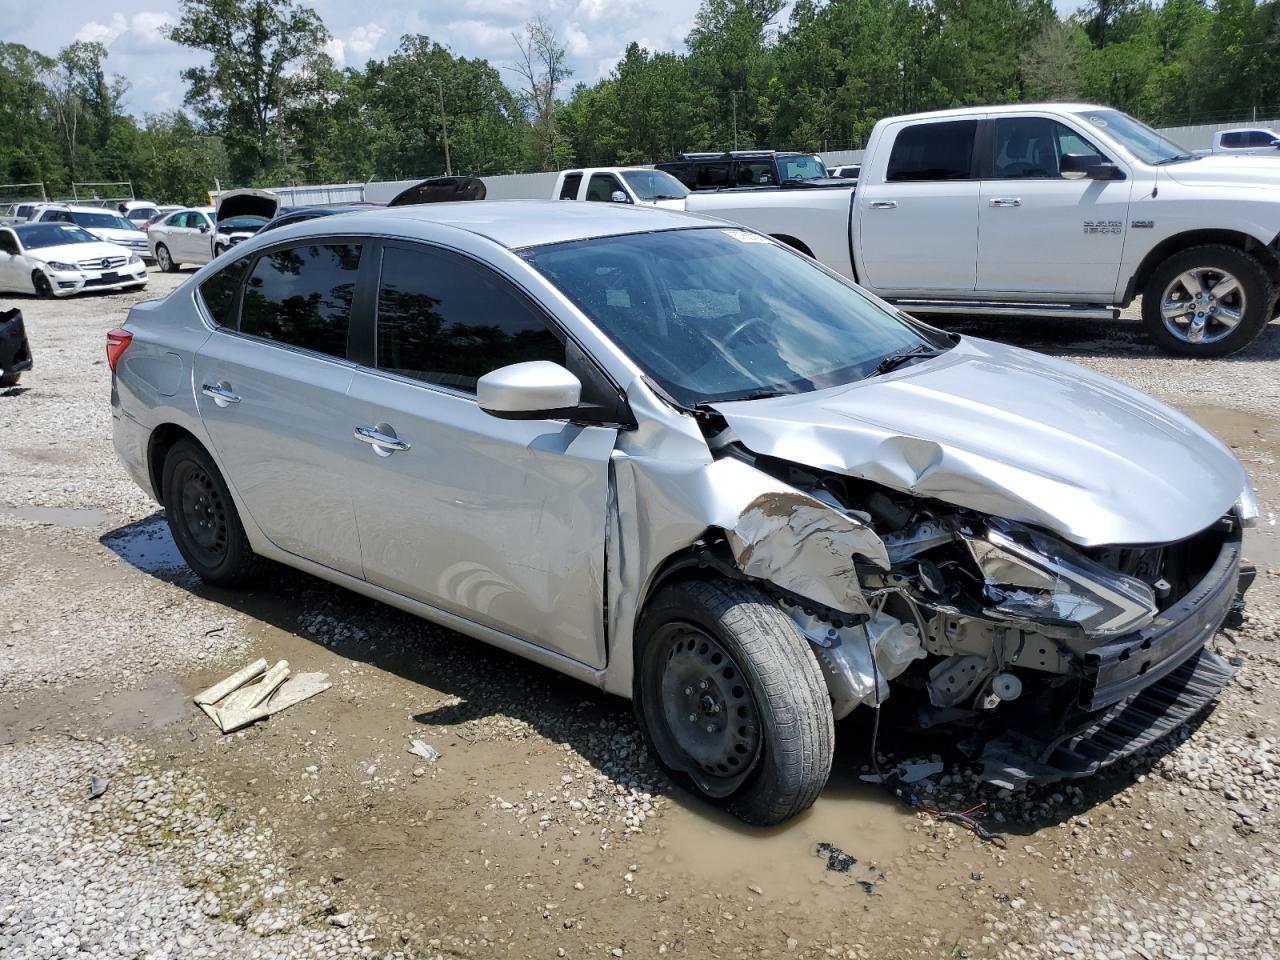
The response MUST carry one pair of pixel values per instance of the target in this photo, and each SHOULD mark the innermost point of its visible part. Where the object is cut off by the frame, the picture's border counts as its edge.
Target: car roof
(80, 208)
(966, 112)
(513, 223)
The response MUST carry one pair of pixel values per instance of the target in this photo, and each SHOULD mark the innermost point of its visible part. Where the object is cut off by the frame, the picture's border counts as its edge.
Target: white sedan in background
(106, 225)
(61, 259)
(182, 237)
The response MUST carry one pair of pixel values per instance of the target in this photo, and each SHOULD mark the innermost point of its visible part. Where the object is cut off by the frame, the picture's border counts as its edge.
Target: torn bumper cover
(1136, 688)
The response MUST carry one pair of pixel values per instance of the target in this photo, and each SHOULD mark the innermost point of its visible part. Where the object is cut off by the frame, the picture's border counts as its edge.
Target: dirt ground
(543, 830)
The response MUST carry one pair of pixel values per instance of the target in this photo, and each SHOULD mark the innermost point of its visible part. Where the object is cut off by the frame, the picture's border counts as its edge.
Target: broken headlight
(1247, 507)
(1029, 576)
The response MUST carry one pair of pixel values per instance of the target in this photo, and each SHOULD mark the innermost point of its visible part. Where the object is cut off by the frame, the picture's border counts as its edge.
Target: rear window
(569, 189)
(219, 291)
(933, 151)
(302, 296)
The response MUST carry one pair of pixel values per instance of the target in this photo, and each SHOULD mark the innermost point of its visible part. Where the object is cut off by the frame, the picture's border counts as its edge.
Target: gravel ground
(543, 829)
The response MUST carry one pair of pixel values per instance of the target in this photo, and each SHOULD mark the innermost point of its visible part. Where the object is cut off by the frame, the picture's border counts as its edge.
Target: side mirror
(204, 228)
(534, 390)
(619, 197)
(1078, 166)
(1276, 144)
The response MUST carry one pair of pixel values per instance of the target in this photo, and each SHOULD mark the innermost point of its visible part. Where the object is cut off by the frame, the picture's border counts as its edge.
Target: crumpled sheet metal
(1011, 434)
(255, 693)
(663, 500)
(803, 545)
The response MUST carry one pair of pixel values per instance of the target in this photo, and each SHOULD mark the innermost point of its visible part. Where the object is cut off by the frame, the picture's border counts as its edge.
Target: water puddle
(58, 516)
(842, 842)
(147, 545)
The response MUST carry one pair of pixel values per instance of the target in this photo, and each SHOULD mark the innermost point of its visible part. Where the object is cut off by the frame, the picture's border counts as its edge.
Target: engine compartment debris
(255, 692)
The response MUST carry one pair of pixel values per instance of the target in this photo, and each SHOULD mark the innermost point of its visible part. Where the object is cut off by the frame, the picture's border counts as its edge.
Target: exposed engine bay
(1049, 659)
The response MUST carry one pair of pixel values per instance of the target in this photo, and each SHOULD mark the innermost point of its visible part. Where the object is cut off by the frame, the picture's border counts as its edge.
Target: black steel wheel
(203, 517)
(731, 699)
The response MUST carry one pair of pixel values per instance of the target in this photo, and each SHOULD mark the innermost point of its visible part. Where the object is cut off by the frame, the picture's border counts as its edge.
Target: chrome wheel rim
(1203, 305)
(707, 705)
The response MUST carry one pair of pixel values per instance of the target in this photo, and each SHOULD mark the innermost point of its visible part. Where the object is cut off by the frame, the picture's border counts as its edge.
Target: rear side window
(712, 175)
(302, 296)
(447, 320)
(1233, 139)
(933, 151)
(569, 189)
(219, 291)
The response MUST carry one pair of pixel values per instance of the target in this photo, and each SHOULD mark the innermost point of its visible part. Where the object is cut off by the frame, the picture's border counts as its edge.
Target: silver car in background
(674, 459)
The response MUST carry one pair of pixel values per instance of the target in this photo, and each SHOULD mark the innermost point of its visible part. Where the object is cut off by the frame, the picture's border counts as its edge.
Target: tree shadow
(482, 682)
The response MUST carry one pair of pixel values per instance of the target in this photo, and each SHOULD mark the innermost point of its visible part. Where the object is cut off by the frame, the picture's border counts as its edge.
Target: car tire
(1169, 306)
(43, 288)
(203, 519)
(731, 699)
(164, 260)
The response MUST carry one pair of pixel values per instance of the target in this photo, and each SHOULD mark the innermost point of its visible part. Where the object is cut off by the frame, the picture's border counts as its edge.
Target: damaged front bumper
(1136, 688)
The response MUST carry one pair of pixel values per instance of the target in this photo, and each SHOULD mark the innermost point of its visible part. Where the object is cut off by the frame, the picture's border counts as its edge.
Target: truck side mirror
(1078, 166)
(619, 197)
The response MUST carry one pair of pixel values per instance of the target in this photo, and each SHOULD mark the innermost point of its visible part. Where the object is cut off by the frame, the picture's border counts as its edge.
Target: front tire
(164, 259)
(203, 518)
(732, 701)
(1207, 301)
(43, 288)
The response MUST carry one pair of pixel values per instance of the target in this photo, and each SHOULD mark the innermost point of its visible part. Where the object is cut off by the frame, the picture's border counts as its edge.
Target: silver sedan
(674, 459)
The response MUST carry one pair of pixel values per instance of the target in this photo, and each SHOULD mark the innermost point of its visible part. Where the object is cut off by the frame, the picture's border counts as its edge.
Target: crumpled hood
(1013, 434)
(1226, 170)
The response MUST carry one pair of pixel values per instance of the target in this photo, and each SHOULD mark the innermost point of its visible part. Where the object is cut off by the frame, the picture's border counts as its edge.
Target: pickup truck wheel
(1207, 301)
(164, 260)
(203, 518)
(732, 701)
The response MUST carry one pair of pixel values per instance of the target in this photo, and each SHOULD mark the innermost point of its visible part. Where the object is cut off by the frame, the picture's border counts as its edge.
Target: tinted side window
(601, 187)
(219, 291)
(302, 296)
(755, 173)
(569, 189)
(680, 171)
(447, 320)
(933, 151)
(711, 175)
(1260, 138)
(1233, 139)
(1033, 147)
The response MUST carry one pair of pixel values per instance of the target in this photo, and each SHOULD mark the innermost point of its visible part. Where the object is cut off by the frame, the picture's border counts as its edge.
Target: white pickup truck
(1057, 209)
(1248, 140)
(621, 185)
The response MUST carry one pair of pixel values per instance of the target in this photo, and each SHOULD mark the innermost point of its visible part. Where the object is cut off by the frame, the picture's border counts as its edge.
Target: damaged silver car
(679, 461)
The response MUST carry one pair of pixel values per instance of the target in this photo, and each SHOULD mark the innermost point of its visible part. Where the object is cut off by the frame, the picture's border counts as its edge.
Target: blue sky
(594, 32)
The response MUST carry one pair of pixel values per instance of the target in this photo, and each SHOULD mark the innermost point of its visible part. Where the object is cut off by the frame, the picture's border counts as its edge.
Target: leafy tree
(267, 58)
(543, 69)
(1051, 63)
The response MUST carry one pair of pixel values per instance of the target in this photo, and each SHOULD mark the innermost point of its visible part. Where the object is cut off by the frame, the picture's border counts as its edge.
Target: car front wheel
(732, 701)
(43, 288)
(203, 517)
(1207, 301)
(164, 259)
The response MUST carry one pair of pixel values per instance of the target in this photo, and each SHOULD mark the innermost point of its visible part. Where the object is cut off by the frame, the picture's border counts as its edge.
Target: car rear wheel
(1207, 301)
(164, 260)
(732, 701)
(203, 517)
(44, 289)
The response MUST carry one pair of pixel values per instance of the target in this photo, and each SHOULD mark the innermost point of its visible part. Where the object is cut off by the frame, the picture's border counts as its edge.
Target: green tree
(266, 59)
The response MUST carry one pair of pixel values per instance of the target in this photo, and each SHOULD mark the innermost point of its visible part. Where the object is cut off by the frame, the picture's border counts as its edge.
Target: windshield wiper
(921, 351)
(763, 394)
(1176, 158)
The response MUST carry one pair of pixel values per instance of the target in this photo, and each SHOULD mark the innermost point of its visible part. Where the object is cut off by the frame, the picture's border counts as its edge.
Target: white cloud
(364, 40)
(95, 32)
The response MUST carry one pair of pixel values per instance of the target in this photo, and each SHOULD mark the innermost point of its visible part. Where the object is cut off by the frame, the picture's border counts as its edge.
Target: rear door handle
(884, 204)
(382, 443)
(1006, 202)
(221, 393)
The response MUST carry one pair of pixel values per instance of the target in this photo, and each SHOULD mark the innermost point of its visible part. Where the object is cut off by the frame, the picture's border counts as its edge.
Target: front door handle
(221, 393)
(383, 443)
(1006, 202)
(884, 204)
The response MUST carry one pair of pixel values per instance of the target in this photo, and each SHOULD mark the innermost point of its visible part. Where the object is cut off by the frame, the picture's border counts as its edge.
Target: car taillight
(118, 341)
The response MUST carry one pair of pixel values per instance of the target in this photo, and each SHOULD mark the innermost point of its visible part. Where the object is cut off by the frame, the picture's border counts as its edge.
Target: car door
(13, 269)
(197, 238)
(1040, 232)
(173, 234)
(918, 219)
(271, 384)
(498, 521)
